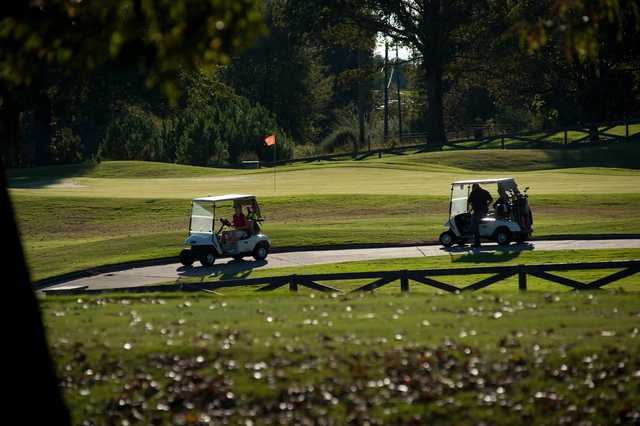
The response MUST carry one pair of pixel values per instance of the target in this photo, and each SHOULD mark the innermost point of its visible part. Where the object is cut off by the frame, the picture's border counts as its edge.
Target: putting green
(336, 180)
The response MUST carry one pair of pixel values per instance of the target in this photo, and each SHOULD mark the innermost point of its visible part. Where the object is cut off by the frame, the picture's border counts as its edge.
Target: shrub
(340, 138)
(130, 137)
(66, 147)
(306, 150)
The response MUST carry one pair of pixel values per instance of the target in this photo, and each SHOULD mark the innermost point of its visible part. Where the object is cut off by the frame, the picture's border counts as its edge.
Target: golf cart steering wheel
(225, 222)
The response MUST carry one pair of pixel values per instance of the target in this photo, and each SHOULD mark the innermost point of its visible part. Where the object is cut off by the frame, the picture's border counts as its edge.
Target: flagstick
(275, 166)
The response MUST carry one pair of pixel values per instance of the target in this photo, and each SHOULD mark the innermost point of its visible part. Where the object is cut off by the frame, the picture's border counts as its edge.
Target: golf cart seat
(463, 222)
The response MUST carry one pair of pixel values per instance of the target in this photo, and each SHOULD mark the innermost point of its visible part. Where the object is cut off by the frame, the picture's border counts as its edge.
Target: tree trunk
(42, 129)
(435, 116)
(9, 131)
(434, 59)
(33, 391)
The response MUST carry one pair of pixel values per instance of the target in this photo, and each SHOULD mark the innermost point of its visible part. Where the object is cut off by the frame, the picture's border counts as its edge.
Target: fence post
(293, 283)
(404, 281)
(522, 278)
(626, 127)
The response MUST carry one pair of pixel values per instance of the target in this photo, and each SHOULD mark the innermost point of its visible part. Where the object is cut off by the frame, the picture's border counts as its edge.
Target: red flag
(270, 140)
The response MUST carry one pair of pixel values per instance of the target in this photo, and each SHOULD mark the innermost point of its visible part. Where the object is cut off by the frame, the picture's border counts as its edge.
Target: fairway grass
(502, 359)
(82, 216)
(65, 234)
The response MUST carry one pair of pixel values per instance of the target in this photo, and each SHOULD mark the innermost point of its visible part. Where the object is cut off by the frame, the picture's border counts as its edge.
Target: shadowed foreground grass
(557, 358)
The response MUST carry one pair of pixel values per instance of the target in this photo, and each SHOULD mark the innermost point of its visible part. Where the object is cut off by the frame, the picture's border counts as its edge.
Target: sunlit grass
(63, 234)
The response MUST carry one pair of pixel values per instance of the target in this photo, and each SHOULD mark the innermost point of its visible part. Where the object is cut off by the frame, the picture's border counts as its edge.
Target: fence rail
(428, 277)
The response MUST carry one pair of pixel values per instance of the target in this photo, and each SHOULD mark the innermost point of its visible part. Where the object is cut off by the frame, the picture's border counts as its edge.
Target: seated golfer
(240, 224)
(479, 200)
(501, 205)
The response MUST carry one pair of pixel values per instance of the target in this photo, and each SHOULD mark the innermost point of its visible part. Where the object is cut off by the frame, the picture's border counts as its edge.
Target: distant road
(139, 276)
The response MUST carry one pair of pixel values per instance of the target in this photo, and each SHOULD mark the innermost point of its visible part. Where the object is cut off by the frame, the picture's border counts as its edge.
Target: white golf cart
(511, 220)
(207, 244)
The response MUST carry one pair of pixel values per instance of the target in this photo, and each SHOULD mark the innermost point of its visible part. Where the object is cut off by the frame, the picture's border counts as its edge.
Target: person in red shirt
(240, 223)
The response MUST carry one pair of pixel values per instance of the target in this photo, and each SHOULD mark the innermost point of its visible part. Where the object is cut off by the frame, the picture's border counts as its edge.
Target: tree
(434, 28)
(342, 52)
(587, 57)
(161, 36)
(577, 26)
(285, 73)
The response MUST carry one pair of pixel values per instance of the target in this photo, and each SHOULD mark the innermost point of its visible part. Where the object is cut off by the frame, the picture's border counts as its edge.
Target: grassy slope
(118, 211)
(114, 169)
(623, 155)
(501, 359)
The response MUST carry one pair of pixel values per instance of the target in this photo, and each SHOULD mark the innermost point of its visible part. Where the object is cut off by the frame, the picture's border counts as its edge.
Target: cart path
(139, 276)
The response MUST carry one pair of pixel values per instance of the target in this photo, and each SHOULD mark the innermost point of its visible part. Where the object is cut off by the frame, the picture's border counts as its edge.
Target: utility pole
(398, 90)
(362, 99)
(386, 92)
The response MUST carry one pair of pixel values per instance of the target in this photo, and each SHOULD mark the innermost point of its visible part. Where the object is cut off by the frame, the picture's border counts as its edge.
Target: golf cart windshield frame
(204, 211)
(460, 190)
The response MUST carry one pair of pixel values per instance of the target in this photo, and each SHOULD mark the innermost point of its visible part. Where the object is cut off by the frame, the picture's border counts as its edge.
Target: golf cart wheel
(260, 252)
(208, 258)
(503, 236)
(186, 257)
(447, 238)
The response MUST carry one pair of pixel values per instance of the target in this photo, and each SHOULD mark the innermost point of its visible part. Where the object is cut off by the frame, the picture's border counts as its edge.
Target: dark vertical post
(362, 95)
(398, 91)
(386, 93)
(293, 283)
(626, 127)
(502, 142)
(522, 278)
(404, 281)
(565, 137)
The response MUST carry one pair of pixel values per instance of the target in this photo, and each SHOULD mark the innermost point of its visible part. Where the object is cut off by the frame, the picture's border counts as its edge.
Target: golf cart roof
(481, 181)
(226, 197)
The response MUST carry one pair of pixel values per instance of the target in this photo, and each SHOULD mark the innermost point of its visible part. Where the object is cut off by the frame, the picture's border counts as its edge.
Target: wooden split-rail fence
(429, 277)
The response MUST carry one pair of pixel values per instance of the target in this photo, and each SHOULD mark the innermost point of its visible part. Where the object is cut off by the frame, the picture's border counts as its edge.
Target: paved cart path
(138, 276)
